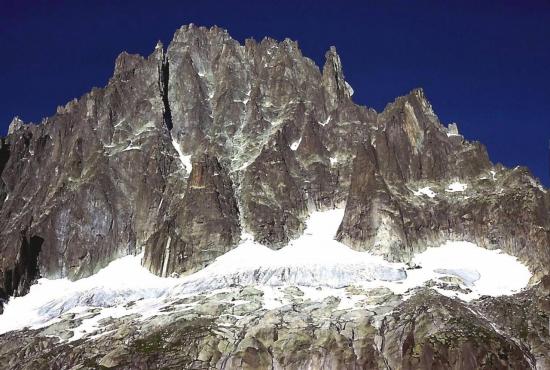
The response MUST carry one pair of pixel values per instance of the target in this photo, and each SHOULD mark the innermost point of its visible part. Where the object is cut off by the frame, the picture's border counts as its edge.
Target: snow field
(316, 263)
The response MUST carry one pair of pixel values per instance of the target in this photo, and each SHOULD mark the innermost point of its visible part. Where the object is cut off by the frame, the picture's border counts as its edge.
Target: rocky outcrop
(373, 219)
(401, 220)
(322, 184)
(336, 89)
(430, 331)
(400, 202)
(232, 330)
(273, 202)
(523, 316)
(413, 145)
(205, 226)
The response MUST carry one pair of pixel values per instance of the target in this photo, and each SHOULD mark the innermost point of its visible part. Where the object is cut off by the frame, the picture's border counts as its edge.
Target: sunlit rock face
(208, 151)
(207, 223)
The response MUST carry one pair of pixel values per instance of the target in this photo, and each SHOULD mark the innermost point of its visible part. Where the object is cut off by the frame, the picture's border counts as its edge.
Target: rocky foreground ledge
(233, 330)
(206, 145)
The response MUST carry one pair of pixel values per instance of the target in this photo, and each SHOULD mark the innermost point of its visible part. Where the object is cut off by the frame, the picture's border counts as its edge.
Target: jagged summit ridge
(208, 147)
(242, 104)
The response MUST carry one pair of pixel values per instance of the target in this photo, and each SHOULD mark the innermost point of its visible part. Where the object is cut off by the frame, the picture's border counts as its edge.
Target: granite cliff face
(187, 151)
(206, 226)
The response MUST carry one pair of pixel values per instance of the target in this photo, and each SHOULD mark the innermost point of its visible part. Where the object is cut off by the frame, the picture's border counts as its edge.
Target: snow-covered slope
(315, 262)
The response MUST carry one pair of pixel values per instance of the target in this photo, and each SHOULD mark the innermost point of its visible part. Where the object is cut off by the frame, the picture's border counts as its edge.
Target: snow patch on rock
(349, 88)
(536, 184)
(425, 191)
(456, 187)
(185, 159)
(487, 272)
(325, 122)
(294, 146)
(452, 130)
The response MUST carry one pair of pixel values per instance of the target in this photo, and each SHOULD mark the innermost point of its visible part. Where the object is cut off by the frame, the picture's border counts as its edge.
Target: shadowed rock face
(273, 203)
(271, 137)
(20, 277)
(373, 219)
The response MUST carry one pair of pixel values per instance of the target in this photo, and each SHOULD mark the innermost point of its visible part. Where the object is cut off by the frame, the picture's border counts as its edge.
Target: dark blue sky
(484, 64)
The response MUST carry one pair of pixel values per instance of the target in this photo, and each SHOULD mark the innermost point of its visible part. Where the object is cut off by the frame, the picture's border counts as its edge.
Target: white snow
(147, 127)
(273, 298)
(131, 147)
(166, 256)
(349, 88)
(123, 280)
(316, 263)
(312, 259)
(425, 191)
(333, 161)
(536, 184)
(452, 130)
(324, 123)
(296, 144)
(185, 159)
(456, 187)
(486, 272)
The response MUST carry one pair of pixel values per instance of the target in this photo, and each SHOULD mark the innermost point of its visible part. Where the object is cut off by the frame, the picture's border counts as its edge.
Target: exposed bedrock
(373, 220)
(411, 144)
(205, 225)
(431, 331)
(89, 179)
(500, 210)
(231, 330)
(274, 207)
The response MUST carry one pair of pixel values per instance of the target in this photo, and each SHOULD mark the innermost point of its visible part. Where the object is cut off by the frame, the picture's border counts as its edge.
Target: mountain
(220, 205)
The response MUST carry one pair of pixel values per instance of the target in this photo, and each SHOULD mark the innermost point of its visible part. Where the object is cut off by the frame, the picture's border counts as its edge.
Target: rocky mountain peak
(228, 163)
(15, 124)
(126, 63)
(258, 108)
(200, 37)
(336, 87)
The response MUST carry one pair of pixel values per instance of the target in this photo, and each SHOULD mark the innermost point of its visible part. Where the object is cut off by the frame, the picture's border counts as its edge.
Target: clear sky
(483, 64)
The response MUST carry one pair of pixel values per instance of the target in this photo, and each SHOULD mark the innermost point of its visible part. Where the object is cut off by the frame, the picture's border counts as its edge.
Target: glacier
(316, 263)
